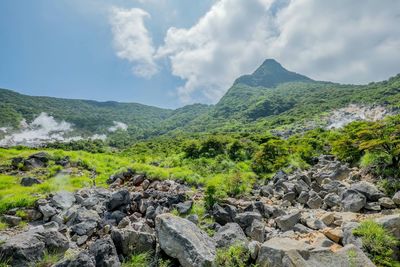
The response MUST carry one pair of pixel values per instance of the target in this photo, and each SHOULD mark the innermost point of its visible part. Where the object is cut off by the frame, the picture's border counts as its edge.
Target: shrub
(234, 256)
(377, 242)
(138, 260)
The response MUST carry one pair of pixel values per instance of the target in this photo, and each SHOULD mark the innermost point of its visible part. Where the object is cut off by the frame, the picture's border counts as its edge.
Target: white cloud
(343, 41)
(132, 40)
(118, 126)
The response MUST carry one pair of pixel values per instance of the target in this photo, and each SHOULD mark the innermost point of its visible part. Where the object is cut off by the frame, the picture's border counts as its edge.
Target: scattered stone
(336, 235)
(373, 206)
(328, 218)
(245, 219)
(63, 200)
(11, 220)
(256, 231)
(228, 235)
(183, 240)
(332, 200)
(104, 253)
(29, 181)
(314, 200)
(118, 199)
(138, 179)
(391, 223)
(370, 191)
(184, 207)
(47, 211)
(396, 198)
(224, 215)
(129, 241)
(387, 203)
(353, 201)
(287, 222)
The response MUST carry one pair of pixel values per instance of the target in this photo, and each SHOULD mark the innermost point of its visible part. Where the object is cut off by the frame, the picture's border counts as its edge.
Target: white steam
(118, 126)
(43, 129)
(340, 117)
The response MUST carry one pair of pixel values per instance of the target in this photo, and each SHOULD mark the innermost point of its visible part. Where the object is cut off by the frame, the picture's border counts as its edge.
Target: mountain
(269, 98)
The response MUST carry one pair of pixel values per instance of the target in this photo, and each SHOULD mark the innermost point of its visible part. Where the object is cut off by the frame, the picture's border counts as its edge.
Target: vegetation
(138, 260)
(234, 256)
(377, 242)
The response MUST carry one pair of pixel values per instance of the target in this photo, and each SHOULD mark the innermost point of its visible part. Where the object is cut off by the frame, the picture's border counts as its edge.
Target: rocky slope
(299, 219)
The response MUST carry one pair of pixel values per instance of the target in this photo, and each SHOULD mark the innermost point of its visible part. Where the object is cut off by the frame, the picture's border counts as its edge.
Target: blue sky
(170, 53)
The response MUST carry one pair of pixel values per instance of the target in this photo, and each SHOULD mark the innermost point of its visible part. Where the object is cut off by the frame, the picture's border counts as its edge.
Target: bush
(377, 242)
(138, 260)
(234, 256)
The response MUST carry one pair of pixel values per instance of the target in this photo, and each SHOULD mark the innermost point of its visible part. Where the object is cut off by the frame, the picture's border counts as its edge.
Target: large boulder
(104, 253)
(276, 252)
(129, 241)
(228, 235)
(224, 214)
(353, 201)
(370, 191)
(245, 219)
(396, 198)
(181, 239)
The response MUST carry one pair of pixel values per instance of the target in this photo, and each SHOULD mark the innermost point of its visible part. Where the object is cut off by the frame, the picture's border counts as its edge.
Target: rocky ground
(301, 219)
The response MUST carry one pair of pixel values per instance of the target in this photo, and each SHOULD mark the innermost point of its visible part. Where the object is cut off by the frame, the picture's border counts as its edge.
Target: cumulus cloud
(343, 41)
(118, 126)
(132, 41)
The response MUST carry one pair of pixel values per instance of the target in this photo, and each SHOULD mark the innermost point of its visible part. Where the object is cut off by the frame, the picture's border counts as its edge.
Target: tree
(272, 156)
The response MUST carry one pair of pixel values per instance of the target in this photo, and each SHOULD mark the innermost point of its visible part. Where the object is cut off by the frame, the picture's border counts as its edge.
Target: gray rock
(396, 198)
(303, 197)
(353, 201)
(387, 203)
(349, 237)
(287, 222)
(63, 200)
(266, 191)
(298, 227)
(184, 207)
(29, 181)
(183, 240)
(332, 200)
(138, 179)
(84, 228)
(118, 199)
(373, 206)
(290, 196)
(370, 191)
(104, 253)
(228, 235)
(254, 248)
(391, 223)
(47, 211)
(129, 241)
(223, 215)
(245, 219)
(11, 220)
(314, 201)
(81, 260)
(275, 251)
(194, 218)
(256, 231)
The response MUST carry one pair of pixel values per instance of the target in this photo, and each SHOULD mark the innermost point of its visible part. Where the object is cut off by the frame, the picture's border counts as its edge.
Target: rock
(22, 250)
(396, 198)
(223, 215)
(353, 201)
(183, 240)
(266, 191)
(118, 199)
(370, 191)
(129, 241)
(138, 179)
(315, 224)
(194, 218)
(328, 218)
(336, 235)
(387, 203)
(104, 253)
(11, 220)
(84, 228)
(63, 200)
(33, 214)
(256, 231)
(303, 197)
(332, 200)
(228, 235)
(314, 200)
(298, 227)
(349, 237)
(37, 160)
(28, 247)
(373, 206)
(29, 181)
(287, 222)
(322, 242)
(47, 211)
(391, 223)
(81, 260)
(254, 248)
(184, 207)
(245, 219)
(275, 251)
(290, 196)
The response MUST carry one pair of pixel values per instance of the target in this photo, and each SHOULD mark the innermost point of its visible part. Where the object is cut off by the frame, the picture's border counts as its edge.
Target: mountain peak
(270, 74)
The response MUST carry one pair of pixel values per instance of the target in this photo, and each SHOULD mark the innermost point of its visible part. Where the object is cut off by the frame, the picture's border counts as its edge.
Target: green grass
(138, 260)
(48, 260)
(3, 226)
(234, 256)
(377, 242)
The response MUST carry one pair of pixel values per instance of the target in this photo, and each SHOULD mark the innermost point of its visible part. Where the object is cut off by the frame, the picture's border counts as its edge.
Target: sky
(170, 53)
